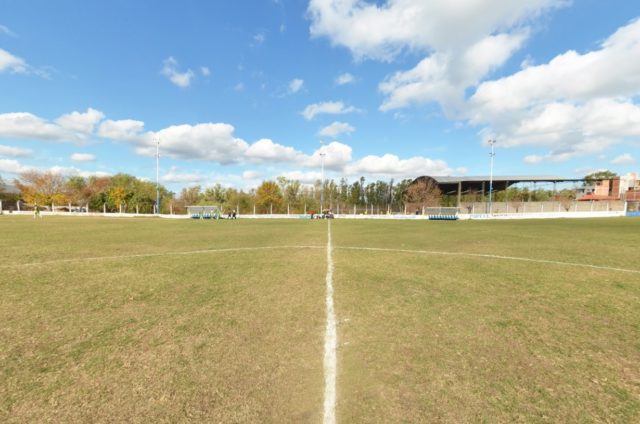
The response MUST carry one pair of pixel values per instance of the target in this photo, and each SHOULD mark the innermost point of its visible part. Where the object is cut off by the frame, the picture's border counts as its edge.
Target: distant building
(625, 187)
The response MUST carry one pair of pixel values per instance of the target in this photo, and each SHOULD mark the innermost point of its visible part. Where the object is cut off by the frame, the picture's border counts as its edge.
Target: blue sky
(242, 91)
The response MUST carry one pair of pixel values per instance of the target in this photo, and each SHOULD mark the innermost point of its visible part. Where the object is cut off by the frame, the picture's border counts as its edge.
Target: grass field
(151, 320)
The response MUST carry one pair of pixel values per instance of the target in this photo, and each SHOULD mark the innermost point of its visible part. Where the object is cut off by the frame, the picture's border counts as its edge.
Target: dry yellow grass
(237, 335)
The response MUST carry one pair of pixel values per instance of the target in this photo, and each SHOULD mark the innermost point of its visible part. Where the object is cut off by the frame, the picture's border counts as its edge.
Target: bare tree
(424, 192)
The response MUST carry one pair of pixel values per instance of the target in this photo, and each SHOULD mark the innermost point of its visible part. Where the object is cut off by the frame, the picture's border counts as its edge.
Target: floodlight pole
(322, 155)
(158, 176)
(492, 155)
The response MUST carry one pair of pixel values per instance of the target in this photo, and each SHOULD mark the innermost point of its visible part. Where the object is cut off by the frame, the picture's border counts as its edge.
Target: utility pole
(492, 155)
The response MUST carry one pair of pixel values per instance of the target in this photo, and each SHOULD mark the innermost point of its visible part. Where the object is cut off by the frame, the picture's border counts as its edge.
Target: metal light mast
(158, 176)
(492, 155)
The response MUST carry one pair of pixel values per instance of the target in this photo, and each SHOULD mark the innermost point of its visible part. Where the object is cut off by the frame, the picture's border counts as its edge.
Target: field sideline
(149, 320)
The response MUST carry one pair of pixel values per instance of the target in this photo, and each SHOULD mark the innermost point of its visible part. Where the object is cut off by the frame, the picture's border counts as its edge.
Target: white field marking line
(481, 255)
(151, 255)
(330, 341)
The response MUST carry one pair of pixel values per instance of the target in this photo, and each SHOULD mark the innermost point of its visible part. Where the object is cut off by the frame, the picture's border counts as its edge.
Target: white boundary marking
(330, 341)
(373, 249)
(152, 255)
(488, 256)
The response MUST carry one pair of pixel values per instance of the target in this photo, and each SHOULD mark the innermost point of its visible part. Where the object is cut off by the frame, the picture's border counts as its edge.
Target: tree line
(127, 193)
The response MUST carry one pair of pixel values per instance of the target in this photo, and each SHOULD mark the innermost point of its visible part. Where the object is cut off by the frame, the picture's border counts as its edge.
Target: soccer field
(152, 320)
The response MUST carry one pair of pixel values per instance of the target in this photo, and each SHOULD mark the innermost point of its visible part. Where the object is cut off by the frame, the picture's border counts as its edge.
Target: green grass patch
(90, 332)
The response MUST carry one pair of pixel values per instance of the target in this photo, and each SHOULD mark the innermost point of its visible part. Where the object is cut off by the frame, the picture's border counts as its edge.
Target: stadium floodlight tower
(157, 175)
(492, 155)
(322, 155)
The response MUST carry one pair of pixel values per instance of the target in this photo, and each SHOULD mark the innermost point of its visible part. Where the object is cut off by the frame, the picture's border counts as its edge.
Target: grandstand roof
(449, 185)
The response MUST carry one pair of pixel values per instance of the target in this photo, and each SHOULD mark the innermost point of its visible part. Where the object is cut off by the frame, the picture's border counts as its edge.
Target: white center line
(330, 342)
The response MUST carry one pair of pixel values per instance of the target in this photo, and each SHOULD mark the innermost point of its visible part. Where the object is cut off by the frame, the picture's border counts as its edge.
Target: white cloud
(73, 171)
(12, 166)
(576, 104)
(295, 85)
(606, 72)
(83, 157)
(259, 38)
(28, 126)
(74, 127)
(444, 76)
(239, 87)
(14, 151)
(209, 141)
(204, 70)
(391, 165)
(624, 159)
(122, 130)
(533, 159)
(332, 108)
(175, 176)
(170, 70)
(418, 25)
(336, 156)
(462, 42)
(6, 31)
(250, 175)
(81, 122)
(336, 128)
(11, 63)
(265, 150)
(345, 78)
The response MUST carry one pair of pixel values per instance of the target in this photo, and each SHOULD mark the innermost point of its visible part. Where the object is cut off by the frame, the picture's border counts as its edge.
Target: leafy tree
(191, 196)
(42, 188)
(268, 195)
(599, 175)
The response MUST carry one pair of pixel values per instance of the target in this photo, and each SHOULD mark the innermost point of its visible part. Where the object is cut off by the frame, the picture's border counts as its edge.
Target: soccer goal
(442, 214)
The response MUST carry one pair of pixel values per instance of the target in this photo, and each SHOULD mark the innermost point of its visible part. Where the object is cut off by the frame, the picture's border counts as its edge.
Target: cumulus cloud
(345, 78)
(28, 126)
(462, 43)
(74, 127)
(331, 108)
(265, 150)
(624, 159)
(122, 130)
(12, 166)
(444, 76)
(83, 157)
(336, 156)
(14, 151)
(213, 142)
(204, 70)
(81, 122)
(170, 70)
(575, 104)
(295, 85)
(335, 129)
(392, 165)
